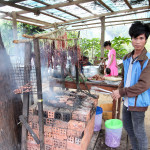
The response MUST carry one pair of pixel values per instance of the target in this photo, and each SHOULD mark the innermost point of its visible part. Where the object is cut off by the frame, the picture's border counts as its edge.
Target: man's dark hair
(138, 28)
(108, 71)
(107, 43)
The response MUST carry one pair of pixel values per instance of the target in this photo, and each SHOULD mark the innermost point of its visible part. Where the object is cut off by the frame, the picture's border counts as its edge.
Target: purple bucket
(98, 119)
(113, 132)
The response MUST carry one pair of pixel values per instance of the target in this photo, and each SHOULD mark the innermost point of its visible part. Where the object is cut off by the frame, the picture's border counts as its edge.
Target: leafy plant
(120, 45)
(91, 47)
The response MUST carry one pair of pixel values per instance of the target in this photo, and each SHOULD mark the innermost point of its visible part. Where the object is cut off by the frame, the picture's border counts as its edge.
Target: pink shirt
(113, 66)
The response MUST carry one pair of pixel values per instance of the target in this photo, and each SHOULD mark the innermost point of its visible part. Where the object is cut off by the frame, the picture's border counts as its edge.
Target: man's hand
(115, 94)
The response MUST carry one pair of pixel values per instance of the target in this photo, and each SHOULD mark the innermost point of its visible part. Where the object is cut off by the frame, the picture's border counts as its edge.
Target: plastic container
(113, 132)
(90, 71)
(98, 119)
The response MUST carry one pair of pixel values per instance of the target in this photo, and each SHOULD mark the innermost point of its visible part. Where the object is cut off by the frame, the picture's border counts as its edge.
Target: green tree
(121, 44)
(91, 47)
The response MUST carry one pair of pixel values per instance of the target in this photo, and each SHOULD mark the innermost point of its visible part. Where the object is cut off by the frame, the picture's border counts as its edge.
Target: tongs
(103, 91)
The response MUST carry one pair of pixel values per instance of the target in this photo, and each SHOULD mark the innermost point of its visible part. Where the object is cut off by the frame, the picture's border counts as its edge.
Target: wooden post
(77, 66)
(26, 95)
(118, 108)
(102, 35)
(62, 73)
(39, 92)
(14, 25)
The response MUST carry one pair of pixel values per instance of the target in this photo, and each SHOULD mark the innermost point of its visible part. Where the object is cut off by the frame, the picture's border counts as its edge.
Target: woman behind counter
(112, 62)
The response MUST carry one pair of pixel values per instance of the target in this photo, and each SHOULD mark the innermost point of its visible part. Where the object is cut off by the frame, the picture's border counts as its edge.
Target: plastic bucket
(113, 132)
(98, 119)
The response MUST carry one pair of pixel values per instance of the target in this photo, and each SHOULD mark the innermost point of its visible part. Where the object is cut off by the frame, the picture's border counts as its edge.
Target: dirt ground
(124, 145)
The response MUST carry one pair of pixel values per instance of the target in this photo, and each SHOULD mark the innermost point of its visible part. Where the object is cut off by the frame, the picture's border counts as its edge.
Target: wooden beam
(101, 2)
(102, 35)
(111, 22)
(35, 10)
(105, 14)
(39, 92)
(128, 14)
(31, 39)
(23, 22)
(149, 2)
(57, 9)
(106, 18)
(52, 16)
(33, 20)
(16, 1)
(14, 25)
(65, 4)
(126, 1)
(100, 26)
(84, 9)
(25, 111)
(42, 34)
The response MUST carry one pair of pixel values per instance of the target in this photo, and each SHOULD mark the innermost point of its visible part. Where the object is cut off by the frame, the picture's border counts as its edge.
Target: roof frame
(61, 20)
(102, 3)
(126, 1)
(56, 8)
(105, 14)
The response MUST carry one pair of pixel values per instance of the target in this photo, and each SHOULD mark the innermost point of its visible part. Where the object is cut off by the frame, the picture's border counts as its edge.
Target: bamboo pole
(102, 35)
(22, 41)
(42, 34)
(29, 40)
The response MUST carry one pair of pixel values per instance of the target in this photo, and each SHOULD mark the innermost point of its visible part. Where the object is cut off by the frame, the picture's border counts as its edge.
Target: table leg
(114, 109)
(118, 108)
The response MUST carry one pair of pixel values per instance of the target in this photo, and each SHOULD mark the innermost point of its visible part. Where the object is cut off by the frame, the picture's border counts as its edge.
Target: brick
(71, 132)
(62, 132)
(81, 114)
(59, 137)
(60, 124)
(35, 125)
(76, 125)
(33, 118)
(60, 144)
(49, 121)
(55, 130)
(51, 114)
(30, 138)
(87, 104)
(58, 115)
(47, 128)
(73, 146)
(75, 115)
(48, 134)
(32, 109)
(77, 141)
(32, 146)
(75, 133)
(48, 147)
(49, 141)
(70, 139)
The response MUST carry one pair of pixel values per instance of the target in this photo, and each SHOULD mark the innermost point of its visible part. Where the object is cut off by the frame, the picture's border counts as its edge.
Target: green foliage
(29, 29)
(120, 44)
(7, 34)
(90, 47)
(6, 28)
(72, 35)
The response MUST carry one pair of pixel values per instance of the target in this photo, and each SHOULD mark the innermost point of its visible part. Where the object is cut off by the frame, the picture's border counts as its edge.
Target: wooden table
(103, 85)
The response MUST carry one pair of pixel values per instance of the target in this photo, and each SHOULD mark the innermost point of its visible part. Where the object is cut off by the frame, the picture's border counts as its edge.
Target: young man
(135, 86)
